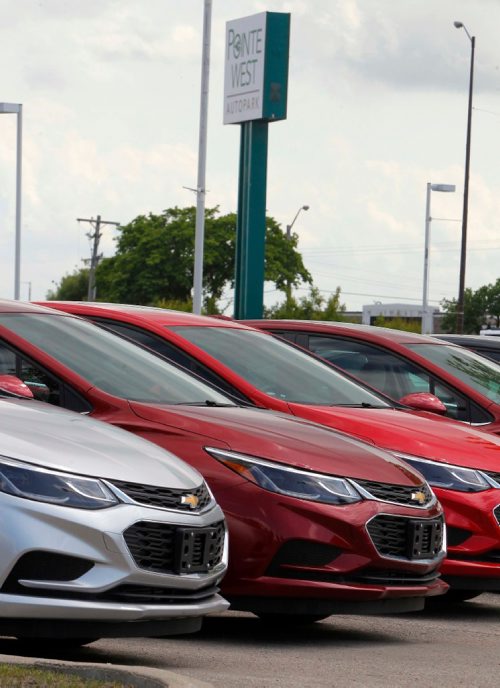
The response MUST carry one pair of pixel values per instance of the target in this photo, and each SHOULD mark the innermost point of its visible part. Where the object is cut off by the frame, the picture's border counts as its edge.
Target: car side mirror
(423, 401)
(14, 385)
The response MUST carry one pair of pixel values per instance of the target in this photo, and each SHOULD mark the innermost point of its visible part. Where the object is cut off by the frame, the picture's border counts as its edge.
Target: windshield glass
(478, 372)
(109, 362)
(277, 368)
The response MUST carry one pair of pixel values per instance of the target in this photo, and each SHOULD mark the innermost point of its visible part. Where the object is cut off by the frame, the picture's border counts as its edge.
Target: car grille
(406, 538)
(399, 494)
(495, 476)
(165, 548)
(122, 594)
(387, 577)
(497, 513)
(164, 497)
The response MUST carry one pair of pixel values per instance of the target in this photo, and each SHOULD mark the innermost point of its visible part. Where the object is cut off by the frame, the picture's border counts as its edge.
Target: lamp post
(289, 227)
(17, 109)
(463, 251)
(427, 318)
(199, 238)
(289, 236)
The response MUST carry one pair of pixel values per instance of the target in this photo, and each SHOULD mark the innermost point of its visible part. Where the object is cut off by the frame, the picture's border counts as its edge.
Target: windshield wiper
(205, 402)
(363, 404)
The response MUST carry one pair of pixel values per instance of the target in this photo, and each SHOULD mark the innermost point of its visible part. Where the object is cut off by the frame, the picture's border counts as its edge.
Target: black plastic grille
(495, 476)
(164, 497)
(406, 538)
(387, 577)
(497, 514)
(165, 548)
(124, 594)
(400, 494)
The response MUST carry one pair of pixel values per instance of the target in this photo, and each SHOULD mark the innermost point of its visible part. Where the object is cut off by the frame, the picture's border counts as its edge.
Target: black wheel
(291, 619)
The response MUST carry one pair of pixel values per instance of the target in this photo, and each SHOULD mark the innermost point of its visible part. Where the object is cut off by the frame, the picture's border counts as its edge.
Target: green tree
(314, 306)
(72, 287)
(476, 308)
(154, 260)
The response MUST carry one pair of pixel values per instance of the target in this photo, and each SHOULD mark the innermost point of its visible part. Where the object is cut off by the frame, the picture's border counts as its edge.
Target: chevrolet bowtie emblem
(419, 497)
(191, 500)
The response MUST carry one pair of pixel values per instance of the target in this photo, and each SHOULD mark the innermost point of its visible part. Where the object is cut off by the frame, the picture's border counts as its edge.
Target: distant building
(409, 312)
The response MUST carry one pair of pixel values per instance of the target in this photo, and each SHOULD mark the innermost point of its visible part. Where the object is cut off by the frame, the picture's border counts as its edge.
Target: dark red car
(318, 522)
(462, 464)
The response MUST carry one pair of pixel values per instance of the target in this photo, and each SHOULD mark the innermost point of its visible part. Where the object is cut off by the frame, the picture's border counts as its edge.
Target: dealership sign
(256, 68)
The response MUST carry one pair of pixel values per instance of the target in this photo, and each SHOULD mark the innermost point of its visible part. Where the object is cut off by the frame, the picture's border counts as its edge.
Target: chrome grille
(164, 497)
(400, 494)
(406, 538)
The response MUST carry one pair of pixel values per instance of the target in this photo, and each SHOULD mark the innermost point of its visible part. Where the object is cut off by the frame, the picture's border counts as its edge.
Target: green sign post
(255, 93)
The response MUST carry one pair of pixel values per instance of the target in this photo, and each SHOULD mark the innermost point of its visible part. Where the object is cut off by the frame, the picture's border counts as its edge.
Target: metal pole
(202, 153)
(463, 251)
(91, 293)
(425, 318)
(19, 165)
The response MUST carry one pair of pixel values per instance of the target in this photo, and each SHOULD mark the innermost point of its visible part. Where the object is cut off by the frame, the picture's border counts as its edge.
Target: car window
(494, 354)
(109, 362)
(392, 374)
(277, 369)
(169, 351)
(478, 372)
(43, 385)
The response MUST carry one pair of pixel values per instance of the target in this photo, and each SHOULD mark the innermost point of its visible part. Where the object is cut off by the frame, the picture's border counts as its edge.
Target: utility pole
(95, 256)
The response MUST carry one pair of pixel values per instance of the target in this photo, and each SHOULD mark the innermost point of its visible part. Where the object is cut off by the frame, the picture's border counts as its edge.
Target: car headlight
(293, 482)
(39, 484)
(448, 476)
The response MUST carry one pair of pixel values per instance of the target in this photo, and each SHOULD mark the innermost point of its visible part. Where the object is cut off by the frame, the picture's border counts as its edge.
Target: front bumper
(289, 554)
(73, 565)
(473, 523)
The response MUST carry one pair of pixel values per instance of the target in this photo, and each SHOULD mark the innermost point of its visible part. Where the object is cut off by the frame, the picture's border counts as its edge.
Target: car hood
(406, 432)
(281, 437)
(52, 438)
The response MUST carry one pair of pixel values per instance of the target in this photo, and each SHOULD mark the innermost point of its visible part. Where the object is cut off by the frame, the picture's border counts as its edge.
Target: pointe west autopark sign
(256, 68)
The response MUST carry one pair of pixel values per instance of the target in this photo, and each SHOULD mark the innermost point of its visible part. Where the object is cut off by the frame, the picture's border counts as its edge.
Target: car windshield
(278, 369)
(480, 373)
(110, 362)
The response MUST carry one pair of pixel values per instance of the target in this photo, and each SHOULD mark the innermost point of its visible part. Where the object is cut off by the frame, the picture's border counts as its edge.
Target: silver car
(102, 533)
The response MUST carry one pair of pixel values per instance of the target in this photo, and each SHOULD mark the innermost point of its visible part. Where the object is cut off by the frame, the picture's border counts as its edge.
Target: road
(448, 649)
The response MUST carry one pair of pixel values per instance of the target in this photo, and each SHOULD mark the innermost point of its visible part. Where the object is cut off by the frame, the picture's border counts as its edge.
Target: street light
(289, 236)
(427, 317)
(289, 227)
(463, 252)
(17, 109)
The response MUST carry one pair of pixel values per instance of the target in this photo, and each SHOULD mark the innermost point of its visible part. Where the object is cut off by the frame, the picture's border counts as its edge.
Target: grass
(15, 676)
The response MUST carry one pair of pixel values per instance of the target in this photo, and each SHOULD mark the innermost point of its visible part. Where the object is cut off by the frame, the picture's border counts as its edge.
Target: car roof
(485, 342)
(10, 306)
(387, 333)
(163, 316)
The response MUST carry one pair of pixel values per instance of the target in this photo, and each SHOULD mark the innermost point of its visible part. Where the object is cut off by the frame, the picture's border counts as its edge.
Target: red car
(318, 522)
(462, 464)
(400, 363)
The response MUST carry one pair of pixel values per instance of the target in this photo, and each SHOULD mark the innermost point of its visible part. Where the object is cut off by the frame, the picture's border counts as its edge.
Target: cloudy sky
(377, 108)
